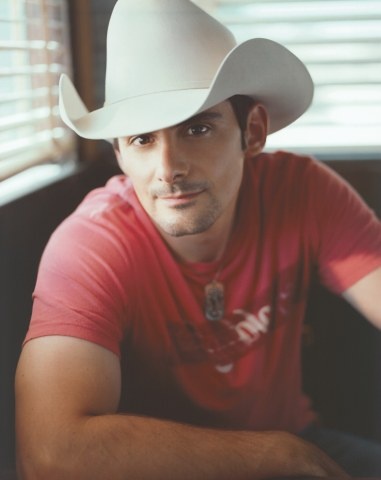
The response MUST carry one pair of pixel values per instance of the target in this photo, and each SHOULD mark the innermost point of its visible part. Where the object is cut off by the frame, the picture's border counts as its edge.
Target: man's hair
(241, 105)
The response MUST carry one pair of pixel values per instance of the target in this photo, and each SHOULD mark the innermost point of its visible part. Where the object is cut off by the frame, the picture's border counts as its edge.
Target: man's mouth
(179, 198)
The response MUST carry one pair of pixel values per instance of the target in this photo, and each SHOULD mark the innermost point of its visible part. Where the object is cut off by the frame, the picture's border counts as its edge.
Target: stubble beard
(189, 223)
(187, 219)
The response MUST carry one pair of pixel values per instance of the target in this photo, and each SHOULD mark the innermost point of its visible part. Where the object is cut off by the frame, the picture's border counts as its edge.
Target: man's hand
(311, 460)
(365, 296)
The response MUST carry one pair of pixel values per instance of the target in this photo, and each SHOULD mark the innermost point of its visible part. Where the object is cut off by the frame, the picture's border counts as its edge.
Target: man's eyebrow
(202, 117)
(199, 117)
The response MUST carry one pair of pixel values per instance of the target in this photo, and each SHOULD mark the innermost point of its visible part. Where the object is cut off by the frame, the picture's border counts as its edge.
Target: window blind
(34, 51)
(340, 42)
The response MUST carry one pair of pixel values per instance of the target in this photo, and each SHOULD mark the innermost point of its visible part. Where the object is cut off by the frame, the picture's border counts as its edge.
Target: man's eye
(198, 129)
(140, 140)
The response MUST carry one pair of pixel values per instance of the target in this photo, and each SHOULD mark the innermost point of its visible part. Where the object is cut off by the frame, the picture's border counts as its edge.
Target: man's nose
(172, 164)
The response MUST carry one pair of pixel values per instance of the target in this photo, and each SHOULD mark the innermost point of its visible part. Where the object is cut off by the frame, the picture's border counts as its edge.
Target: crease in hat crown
(174, 45)
(168, 60)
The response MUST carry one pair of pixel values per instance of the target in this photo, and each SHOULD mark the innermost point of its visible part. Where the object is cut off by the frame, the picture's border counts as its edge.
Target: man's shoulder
(282, 159)
(99, 203)
(281, 167)
(106, 216)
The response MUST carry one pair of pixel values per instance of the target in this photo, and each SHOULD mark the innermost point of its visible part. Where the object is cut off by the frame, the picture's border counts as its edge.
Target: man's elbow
(40, 464)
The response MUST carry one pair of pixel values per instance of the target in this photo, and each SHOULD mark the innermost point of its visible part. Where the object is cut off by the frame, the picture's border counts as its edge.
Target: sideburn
(242, 104)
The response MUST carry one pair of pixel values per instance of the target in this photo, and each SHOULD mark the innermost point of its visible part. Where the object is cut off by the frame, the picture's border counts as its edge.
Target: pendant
(214, 301)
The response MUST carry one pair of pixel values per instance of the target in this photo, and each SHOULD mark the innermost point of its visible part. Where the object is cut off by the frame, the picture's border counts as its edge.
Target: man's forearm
(126, 447)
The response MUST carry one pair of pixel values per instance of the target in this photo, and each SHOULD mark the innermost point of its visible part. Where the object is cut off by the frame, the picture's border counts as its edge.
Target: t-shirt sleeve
(346, 234)
(81, 284)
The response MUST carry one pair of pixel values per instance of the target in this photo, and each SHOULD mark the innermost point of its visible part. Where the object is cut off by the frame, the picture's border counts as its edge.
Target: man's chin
(177, 231)
(180, 229)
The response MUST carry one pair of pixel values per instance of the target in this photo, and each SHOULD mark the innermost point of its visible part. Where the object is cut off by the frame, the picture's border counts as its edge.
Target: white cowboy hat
(168, 60)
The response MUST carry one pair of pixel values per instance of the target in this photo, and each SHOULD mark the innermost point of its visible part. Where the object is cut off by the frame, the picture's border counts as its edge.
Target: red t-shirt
(107, 276)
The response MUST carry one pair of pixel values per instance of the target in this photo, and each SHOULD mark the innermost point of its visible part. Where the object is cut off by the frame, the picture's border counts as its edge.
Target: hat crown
(162, 45)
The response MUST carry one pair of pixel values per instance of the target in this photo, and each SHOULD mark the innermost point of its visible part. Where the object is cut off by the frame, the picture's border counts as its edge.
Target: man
(165, 337)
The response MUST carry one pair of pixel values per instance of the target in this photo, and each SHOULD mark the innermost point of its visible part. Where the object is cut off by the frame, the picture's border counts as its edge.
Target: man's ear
(256, 130)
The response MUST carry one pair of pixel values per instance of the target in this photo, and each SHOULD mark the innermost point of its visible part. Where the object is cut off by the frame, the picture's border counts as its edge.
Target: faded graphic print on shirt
(221, 342)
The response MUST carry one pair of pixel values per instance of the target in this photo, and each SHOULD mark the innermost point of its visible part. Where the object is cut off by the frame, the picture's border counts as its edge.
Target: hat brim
(259, 68)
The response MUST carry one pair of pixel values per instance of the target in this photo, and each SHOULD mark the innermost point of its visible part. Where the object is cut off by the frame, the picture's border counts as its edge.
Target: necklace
(214, 299)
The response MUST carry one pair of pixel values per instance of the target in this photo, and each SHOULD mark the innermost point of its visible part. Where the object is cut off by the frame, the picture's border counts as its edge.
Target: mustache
(180, 188)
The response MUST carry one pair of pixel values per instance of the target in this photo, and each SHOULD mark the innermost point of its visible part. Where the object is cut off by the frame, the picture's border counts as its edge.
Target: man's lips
(179, 197)
(179, 194)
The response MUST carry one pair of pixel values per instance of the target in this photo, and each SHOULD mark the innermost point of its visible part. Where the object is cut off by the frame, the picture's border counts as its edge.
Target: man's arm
(67, 393)
(365, 296)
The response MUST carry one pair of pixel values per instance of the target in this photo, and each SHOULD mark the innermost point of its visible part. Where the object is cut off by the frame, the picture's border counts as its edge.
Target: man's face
(188, 176)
